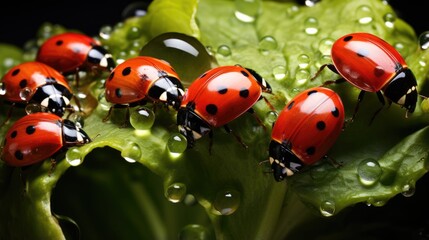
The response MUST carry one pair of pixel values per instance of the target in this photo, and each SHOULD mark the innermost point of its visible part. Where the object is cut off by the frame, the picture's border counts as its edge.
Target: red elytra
(216, 98)
(36, 83)
(373, 65)
(70, 52)
(305, 130)
(39, 136)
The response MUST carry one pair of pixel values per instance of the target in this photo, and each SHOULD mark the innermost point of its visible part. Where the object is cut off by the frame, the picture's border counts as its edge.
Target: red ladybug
(373, 65)
(71, 52)
(305, 130)
(39, 136)
(140, 79)
(39, 84)
(217, 97)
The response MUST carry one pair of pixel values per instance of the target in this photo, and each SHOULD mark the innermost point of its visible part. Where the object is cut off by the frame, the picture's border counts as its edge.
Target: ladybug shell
(222, 94)
(310, 123)
(131, 80)
(32, 138)
(66, 52)
(30, 76)
(366, 61)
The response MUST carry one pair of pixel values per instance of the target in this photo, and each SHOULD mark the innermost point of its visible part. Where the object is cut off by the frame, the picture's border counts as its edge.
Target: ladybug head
(191, 125)
(261, 81)
(100, 58)
(53, 98)
(284, 162)
(167, 89)
(402, 89)
(74, 135)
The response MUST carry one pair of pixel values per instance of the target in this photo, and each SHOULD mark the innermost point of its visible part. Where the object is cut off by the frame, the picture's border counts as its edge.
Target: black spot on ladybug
(211, 109)
(362, 52)
(379, 71)
(111, 76)
(222, 90)
(348, 38)
(245, 73)
(59, 43)
(126, 71)
(320, 125)
(244, 93)
(311, 92)
(289, 107)
(30, 129)
(23, 83)
(311, 150)
(118, 92)
(13, 134)
(16, 71)
(335, 112)
(19, 155)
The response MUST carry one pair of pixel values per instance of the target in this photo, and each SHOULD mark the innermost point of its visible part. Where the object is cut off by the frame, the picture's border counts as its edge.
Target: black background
(20, 21)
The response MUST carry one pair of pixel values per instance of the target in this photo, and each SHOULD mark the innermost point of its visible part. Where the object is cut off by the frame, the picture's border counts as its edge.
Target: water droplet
(190, 200)
(74, 156)
(369, 172)
(176, 192)
(226, 202)
(279, 72)
(424, 40)
(267, 44)
(311, 25)
(25, 94)
(134, 32)
(33, 108)
(375, 202)
(272, 117)
(364, 14)
(327, 208)
(311, 3)
(103, 103)
(401, 48)
(105, 32)
(224, 50)
(303, 61)
(135, 9)
(247, 10)
(2, 89)
(142, 118)
(194, 232)
(302, 76)
(131, 152)
(188, 56)
(177, 144)
(78, 118)
(389, 20)
(325, 46)
(292, 11)
(408, 190)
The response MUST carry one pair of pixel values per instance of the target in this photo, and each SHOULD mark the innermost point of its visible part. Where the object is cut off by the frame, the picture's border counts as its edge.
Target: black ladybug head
(101, 58)
(264, 84)
(191, 125)
(167, 89)
(284, 162)
(402, 89)
(74, 135)
(53, 98)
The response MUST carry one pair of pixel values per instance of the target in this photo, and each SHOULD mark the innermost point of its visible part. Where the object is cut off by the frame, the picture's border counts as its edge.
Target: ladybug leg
(77, 78)
(268, 103)
(330, 66)
(252, 111)
(108, 114)
(238, 138)
(333, 161)
(53, 165)
(360, 98)
(127, 118)
(383, 103)
(210, 142)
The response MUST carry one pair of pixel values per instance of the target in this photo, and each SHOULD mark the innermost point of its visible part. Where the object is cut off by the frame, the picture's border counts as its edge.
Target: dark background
(20, 21)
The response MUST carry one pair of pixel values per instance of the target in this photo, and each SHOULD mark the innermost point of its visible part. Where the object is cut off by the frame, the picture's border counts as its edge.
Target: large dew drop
(142, 118)
(327, 208)
(177, 144)
(131, 152)
(188, 56)
(74, 156)
(424, 40)
(194, 232)
(247, 10)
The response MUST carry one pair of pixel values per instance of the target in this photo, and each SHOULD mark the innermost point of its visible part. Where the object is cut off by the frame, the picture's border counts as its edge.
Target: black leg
(238, 138)
(383, 103)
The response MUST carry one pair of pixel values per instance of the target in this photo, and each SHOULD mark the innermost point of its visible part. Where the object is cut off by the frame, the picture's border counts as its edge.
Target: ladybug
(217, 97)
(38, 84)
(305, 130)
(141, 79)
(71, 52)
(39, 136)
(373, 65)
